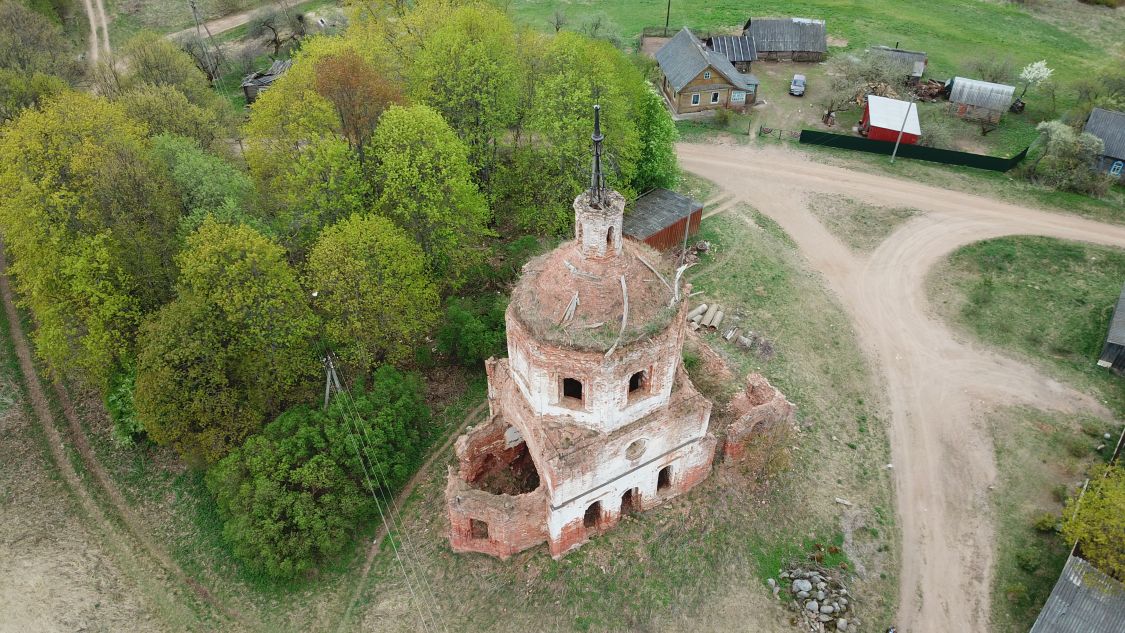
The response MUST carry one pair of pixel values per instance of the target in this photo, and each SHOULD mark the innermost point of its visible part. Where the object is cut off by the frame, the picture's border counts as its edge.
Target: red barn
(883, 118)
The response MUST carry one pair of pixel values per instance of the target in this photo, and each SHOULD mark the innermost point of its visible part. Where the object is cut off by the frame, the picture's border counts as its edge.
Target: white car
(797, 86)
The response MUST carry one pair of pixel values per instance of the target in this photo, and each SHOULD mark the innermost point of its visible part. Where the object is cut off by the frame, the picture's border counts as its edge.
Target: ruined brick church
(592, 415)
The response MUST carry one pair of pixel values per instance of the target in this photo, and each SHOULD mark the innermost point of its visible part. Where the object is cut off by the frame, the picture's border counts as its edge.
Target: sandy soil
(98, 41)
(937, 386)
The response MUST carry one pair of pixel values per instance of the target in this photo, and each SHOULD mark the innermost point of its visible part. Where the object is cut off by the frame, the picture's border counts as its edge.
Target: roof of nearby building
(737, 48)
(788, 34)
(1116, 333)
(263, 78)
(1084, 600)
(982, 94)
(684, 57)
(916, 59)
(656, 211)
(889, 114)
(1110, 127)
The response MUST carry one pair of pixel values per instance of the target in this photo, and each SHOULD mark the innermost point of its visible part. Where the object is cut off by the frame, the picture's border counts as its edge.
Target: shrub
(473, 329)
(1029, 559)
(1096, 520)
(1046, 522)
(291, 496)
(119, 404)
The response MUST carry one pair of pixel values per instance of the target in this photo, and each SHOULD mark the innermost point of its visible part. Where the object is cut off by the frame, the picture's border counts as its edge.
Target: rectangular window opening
(714, 97)
(478, 529)
(695, 98)
(572, 388)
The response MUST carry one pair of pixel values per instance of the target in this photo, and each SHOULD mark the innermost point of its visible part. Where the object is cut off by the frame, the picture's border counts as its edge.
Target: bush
(119, 403)
(1029, 559)
(291, 496)
(473, 329)
(1096, 520)
(1046, 522)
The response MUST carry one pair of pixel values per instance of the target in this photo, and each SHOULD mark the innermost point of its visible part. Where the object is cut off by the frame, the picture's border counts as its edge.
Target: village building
(1113, 352)
(1109, 126)
(883, 119)
(738, 49)
(255, 83)
(914, 61)
(663, 219)
(1084, 600)
(979, 100)
(796, 39)
(696, 79)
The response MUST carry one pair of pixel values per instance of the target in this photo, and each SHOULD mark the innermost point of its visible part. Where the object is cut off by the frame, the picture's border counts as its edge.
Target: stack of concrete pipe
(705, 315)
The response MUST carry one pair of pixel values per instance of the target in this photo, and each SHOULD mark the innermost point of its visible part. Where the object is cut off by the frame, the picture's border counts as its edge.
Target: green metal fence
(933, 154)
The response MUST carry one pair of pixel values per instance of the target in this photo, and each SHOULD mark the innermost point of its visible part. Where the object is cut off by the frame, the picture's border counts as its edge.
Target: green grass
(1037, 454)
(860, 225)
(1046, 299)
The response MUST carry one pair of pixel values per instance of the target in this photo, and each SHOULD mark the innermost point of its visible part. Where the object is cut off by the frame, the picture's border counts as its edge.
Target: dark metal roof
(736, 48)
(684, 57)
(916, 60)
(1110, 127)
(263, 78)
(788, 34)
(655, 211)
(1117, 323)
(1084, 600)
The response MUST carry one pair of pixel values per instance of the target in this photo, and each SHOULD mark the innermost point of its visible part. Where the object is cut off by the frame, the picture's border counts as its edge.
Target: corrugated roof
(270, 75)
(684, 57)
(1117, 323)
(982, 94)
(656, 211)
(736, 48)
(1110, 127)
(889, 114)
(788, 34)
(1084, 600)
(915, 59)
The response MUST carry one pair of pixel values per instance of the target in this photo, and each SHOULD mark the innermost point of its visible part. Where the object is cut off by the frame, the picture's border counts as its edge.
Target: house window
(714, 97)
(572, 388)
(695, 98)
(1115, 170)
(478, 528)
(706, 74)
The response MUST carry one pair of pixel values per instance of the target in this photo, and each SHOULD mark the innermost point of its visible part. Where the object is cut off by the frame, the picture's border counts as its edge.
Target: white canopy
(889, 113)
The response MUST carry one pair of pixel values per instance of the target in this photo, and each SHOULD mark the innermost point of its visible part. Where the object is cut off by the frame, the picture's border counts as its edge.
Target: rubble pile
(929, 90)
(820, 600)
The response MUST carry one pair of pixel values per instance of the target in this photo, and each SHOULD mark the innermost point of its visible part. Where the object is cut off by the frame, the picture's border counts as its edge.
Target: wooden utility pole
(667, 16)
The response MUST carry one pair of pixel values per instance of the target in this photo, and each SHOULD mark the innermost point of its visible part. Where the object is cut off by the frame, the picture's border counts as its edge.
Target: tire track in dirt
(133, 525)
(937, 386)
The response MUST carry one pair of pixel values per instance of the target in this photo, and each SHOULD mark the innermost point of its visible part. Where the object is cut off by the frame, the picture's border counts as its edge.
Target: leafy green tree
(166, 110)
(373, 290)
(656, 166)
(90, 222)
(30, 43)
(1067, 159)
(1097, 520)
(425, 187)
(19, 91)
(292, 496)
(207, 184)
(235, 346)
(469, 72)
(473, 330)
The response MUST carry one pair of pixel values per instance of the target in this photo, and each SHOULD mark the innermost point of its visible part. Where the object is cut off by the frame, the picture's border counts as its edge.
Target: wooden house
(696, 79)
(797, 39)
(663, 219)
(1109, 126)
(914, 61)
(979, 100)
(1113, 352)
(257, 82)
(884, 118)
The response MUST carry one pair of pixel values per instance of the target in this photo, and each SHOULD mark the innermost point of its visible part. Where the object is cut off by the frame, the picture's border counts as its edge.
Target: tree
(473, 330)
(278, 27)
(852, 77)
(208, 185)
(425, 187)
(358, 94)
(292, 496)
(656, 166)
(1067, 160)
(90, 222)
(1034, 74)
(164, 109)
(235, 347)
(1096, 521)
(19, 91)
(29, 43)
(469, 72)
(373, 291)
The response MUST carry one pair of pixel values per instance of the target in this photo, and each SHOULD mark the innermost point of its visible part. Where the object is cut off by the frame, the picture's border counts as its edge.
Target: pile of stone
(820, 599)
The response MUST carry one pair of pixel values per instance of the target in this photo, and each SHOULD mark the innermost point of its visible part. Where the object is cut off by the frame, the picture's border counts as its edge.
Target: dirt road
(98, 41)
(937, 386)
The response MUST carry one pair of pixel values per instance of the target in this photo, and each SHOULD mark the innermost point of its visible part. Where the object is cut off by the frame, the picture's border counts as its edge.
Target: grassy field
(701, 560)
(860, 225)
(1048, 301)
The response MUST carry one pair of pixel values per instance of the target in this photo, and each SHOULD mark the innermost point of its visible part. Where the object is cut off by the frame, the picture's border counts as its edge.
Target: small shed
(660, 217)
(738, 49)
(1084, 600)
(979, 100)
(884, 118)
(1113, 352)
(915, 61)
(255, 83)
(798, 39)
(1109, 126)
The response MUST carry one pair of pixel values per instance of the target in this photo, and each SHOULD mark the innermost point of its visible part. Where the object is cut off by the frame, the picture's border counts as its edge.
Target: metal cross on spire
(597, 180)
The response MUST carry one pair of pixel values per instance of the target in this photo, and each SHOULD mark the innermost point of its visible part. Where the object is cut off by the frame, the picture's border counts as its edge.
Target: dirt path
(223, 24)
(136, 536)
(937, 386)
(98, 41)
